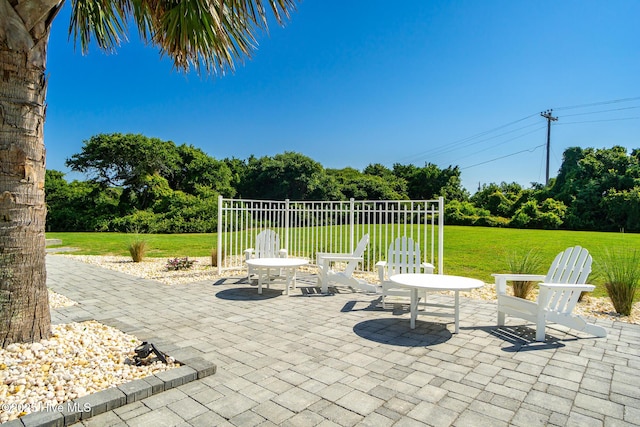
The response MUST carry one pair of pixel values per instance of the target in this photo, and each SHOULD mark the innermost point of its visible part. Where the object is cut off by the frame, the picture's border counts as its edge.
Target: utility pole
(547, 115)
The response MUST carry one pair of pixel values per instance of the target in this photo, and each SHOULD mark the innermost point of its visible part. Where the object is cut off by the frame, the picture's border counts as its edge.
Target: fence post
(219, 243)
(286, 224)
(441, 235)
(352, 217)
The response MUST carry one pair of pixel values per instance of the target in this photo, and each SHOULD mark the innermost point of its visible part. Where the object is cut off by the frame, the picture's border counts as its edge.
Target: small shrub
(138, 250)
(180, 263)
(621, 271)
(527, 263)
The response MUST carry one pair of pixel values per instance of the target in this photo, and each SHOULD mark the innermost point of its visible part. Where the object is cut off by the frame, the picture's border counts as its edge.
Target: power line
(601, 111)
(463, 140)
(531, 150)
(471, 140)
(447, 149)
(503, 142)
(598, 121)
(613, 101)
(477, 138)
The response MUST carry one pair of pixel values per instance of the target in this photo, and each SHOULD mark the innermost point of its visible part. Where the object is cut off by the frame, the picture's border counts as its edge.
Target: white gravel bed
(78, 359)
(155, 268)
(57, 301)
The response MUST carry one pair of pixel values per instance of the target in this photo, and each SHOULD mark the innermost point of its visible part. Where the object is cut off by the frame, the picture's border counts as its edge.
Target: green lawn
(469, 251)
(160, 245)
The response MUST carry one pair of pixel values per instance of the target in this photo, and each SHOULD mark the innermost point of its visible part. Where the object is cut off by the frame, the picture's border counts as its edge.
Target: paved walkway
(337, 360)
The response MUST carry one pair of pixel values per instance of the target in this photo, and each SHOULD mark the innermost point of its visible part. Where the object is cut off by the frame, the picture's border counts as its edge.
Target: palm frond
(210, 35)
(102, 20)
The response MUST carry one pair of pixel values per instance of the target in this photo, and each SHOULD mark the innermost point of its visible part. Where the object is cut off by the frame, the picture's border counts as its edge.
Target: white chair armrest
(335, 256)
(381, 265)
(342, 258)
(427, 267)
(522, 277)
(322, 255)
(501, 280)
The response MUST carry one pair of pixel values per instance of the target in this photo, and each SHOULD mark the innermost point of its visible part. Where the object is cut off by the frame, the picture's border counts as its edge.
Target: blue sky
(351, 83)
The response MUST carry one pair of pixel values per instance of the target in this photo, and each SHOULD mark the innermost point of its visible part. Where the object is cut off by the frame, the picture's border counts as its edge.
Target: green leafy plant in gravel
(180, 263)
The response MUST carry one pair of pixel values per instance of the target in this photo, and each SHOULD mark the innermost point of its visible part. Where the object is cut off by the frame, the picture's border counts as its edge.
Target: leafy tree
(325, 188)
(375, 183)
(284, 176)
(464, 213)
(585, 179)
(378, 169)
(372, 187)
(174, 212)
(196, 168)
(344, 175)
(623, 208)
(548, 215)
(238, 170)
(79, 205)
(430, 182)
(209, 35)
(152, 179)
(498, 199)
(127, 161)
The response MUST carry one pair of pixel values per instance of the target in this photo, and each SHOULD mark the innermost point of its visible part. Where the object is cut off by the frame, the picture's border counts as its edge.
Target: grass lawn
(469, 251)
(159, 245)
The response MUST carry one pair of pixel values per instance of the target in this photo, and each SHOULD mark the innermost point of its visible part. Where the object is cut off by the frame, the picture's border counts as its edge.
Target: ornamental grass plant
(620, 269)
(519, 262)
(138, 249)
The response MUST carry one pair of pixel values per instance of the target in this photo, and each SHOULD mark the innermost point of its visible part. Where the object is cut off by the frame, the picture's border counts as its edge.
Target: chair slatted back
(403, 256)
(267, 244)
(563, 301)
(572, 266)
(360, 248)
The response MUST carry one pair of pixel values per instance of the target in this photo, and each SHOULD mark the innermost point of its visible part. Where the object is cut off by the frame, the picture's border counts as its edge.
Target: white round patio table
(265, 265)
(435, 283)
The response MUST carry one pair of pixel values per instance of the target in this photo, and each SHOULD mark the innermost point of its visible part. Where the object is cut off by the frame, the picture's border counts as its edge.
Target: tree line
(137, 183)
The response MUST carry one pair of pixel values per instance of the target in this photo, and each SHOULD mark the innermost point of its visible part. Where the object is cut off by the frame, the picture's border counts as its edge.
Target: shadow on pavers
(522, 338)
(315, 291)
(397, 309)
(249, 294)
(398, 332)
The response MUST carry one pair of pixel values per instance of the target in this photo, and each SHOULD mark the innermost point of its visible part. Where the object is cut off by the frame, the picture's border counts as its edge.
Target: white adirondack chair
(558, 296)
(267, 246)
(328, 263)
(403, 257)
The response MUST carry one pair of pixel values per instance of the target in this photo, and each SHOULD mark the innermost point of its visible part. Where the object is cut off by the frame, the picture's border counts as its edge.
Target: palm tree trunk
(24, 304)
